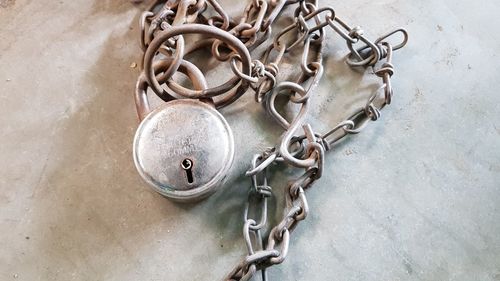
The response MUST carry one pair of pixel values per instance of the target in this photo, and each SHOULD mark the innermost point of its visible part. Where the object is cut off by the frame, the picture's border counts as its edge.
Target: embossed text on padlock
(184, 149)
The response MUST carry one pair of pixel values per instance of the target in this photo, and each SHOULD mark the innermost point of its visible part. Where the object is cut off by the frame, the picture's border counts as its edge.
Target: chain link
(163, 27)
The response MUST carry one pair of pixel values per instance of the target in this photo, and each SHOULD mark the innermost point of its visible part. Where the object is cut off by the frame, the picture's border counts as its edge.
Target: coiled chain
(234, 40)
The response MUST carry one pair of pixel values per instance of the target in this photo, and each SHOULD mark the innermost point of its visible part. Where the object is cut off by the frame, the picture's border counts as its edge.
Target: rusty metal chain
(234, 40)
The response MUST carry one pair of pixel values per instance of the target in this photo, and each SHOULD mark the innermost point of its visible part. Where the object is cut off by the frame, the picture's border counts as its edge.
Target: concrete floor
(416, 196)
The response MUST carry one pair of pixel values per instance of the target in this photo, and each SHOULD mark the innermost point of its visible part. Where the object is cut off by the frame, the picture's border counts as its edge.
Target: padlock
(184, 149)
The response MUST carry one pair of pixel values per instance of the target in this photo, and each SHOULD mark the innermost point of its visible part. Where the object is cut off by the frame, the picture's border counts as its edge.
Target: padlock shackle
(190, 70)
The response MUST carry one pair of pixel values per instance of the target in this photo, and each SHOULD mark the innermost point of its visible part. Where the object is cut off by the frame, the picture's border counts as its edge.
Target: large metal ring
(232, 42)
(141, 99)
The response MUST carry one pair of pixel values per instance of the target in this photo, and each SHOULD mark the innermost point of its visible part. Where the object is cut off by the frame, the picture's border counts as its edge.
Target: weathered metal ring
(231, 41)
(189, 69)
(169, 72)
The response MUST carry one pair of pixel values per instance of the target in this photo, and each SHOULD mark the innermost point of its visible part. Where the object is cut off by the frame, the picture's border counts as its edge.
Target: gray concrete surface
(415, 197)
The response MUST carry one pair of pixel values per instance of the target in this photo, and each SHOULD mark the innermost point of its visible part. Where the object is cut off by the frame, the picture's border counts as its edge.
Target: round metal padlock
(184, 149)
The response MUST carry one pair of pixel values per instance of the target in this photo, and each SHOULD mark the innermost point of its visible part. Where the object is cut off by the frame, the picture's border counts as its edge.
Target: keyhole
(187, 165)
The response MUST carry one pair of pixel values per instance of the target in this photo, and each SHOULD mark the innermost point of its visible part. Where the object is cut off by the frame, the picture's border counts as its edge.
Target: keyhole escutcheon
(187, 166)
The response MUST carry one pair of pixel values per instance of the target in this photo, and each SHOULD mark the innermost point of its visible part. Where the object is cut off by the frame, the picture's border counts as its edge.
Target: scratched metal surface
(415, 197)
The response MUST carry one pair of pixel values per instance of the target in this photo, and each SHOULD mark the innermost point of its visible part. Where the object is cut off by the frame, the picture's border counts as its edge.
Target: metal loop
(284, 244)
(263, 165)
(303, 181)
(316, 151)
(249, 78)
(314, 13)
(287, 223)
(190, 70)
(261, 256)
(142, 26)
(358, 125)
(304, 206)
(356, 32)
(262, 6)
(313, 80)
(167, 74)
(223, 15)
(387, 69)
(368, 59)
(332, 22)
(292, 45)
(266, 85)
(398, 46)
(285, 88)
(227, 38)
(342, 126)
(306, 67)
(263, 211)
(371, 110)
(246, 234)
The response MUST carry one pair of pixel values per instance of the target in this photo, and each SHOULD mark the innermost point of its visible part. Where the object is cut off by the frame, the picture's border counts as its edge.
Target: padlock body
(184, 149)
